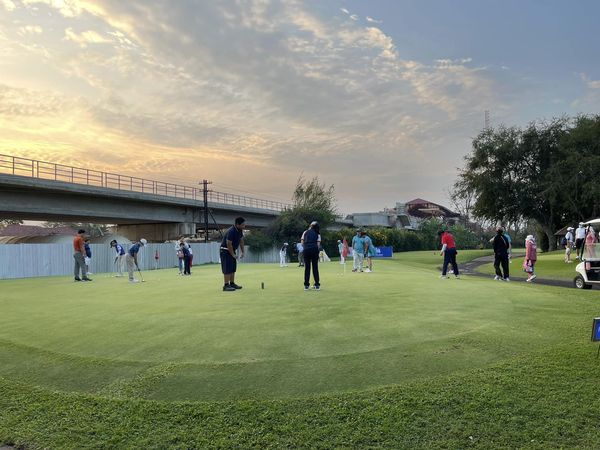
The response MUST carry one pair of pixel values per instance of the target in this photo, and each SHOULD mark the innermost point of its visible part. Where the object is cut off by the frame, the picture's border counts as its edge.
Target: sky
(379, 98)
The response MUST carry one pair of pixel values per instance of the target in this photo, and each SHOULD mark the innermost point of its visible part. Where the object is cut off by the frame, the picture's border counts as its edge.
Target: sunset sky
(380, 98)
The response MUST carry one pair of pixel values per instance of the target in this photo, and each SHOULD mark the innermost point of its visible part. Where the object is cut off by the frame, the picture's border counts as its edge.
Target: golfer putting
(311, 240)
(233, 239)
(132, 261)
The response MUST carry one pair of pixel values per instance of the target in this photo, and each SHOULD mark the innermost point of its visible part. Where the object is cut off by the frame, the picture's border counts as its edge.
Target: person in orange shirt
(79, 255)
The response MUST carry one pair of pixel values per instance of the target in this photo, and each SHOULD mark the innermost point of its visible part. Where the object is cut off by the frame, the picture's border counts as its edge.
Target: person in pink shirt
(590, 240)
(530, 258)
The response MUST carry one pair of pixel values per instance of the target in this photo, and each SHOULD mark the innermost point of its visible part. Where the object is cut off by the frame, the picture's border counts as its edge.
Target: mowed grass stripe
(530, 401)
(362, 331)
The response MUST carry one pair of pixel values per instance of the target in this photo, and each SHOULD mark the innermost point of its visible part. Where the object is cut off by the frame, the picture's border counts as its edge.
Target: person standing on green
(79, 256)
(370, 251)
(233, 239)
(311, 241)
(358, 252)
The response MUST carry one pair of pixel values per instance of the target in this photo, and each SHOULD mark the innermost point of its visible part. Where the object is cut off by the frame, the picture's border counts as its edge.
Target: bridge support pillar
(156, 231)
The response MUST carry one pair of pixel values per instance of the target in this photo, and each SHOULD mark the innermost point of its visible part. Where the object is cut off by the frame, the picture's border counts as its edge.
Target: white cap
(143, 241)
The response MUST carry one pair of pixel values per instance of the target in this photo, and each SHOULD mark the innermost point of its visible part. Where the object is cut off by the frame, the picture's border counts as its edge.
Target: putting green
(182, 338)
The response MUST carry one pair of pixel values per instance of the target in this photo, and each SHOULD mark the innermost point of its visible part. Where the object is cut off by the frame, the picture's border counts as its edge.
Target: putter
(141, 276)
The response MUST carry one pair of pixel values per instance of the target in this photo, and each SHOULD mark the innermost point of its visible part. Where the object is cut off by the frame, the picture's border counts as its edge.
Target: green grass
(549, 265)
(396, 358)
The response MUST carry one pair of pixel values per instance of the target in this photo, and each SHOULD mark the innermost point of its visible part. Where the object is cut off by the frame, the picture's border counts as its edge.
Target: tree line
(546, 173)
(313, 200)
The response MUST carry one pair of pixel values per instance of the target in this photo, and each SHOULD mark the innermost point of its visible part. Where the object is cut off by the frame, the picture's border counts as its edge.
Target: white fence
(44, 260)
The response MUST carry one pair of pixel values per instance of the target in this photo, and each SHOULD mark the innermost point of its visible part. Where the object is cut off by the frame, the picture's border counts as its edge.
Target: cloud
(30, 29)
(85, 38)
(370, 19)
(592, 84)
(590, 97)
(68, 8)
(8, 5)
(268, 87)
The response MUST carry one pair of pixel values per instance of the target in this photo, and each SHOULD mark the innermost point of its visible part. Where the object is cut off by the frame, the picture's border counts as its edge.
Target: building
(405, 215)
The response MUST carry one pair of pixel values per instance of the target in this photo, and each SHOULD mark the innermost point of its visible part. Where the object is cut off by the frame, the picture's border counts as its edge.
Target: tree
(92, 229)
(311, 200)
(513, 175)
(6, 222)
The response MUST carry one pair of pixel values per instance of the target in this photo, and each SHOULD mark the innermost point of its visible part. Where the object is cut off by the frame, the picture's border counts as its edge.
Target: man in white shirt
(568, 244)
(300, 249)
(579, 238)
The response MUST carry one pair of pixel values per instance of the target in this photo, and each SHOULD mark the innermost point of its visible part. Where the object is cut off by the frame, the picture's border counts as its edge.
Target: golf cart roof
(592, 222)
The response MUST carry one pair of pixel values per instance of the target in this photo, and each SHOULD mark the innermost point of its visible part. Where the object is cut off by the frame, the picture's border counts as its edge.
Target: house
(25, 234)
(405, 215)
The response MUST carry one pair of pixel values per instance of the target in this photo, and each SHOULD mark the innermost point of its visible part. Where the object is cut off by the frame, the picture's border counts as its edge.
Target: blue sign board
(384, 252)
(596, 330)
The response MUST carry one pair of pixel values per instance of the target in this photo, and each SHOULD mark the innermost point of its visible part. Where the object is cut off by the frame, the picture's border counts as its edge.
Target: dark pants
(186, 265)
(501, 259)
(579, 246)
(450, 258)
(228, 262)
(311, 258)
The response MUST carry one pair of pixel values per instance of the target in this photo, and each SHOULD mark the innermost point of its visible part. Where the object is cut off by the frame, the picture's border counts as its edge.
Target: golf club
(141, 276)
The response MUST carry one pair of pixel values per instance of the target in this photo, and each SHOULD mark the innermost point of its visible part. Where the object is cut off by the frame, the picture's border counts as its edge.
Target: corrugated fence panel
(43, 260)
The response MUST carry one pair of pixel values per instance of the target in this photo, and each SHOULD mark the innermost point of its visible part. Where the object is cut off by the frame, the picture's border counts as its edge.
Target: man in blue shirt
(131, 257)
(119, 258)
(88, 255)
(370, 251)
(233, 239)
(358, 251)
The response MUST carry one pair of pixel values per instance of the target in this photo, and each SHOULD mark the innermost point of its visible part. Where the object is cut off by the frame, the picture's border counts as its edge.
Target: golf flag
(345, 248)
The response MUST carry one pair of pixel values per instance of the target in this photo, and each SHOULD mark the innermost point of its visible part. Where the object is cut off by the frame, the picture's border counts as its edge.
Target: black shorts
(578, 243)
(228, 263)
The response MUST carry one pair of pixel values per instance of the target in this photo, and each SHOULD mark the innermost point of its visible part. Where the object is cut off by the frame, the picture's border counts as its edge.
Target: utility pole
(205, 184)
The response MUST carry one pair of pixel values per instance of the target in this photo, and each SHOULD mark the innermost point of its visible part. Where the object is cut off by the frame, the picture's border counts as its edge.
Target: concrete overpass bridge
(39, 190)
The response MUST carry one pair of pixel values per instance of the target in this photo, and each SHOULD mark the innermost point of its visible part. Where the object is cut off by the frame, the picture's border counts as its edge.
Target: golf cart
(588, 270)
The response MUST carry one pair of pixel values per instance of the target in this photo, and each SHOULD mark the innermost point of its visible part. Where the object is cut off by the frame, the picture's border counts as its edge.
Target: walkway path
(470, 268)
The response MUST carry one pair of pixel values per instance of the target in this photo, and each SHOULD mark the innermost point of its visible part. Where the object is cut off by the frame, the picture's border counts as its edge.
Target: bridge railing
(14, 165)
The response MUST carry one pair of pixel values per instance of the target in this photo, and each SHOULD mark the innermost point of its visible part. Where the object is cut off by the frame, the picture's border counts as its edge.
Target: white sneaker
(443, 277)
(528, 280)
(367, 270)
(134, 281)
(507, 279)
(533, 277)
(457, 276)
(497, 278)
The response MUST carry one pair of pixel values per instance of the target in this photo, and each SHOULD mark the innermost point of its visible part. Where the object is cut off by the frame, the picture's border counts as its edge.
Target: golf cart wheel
(580, 283)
